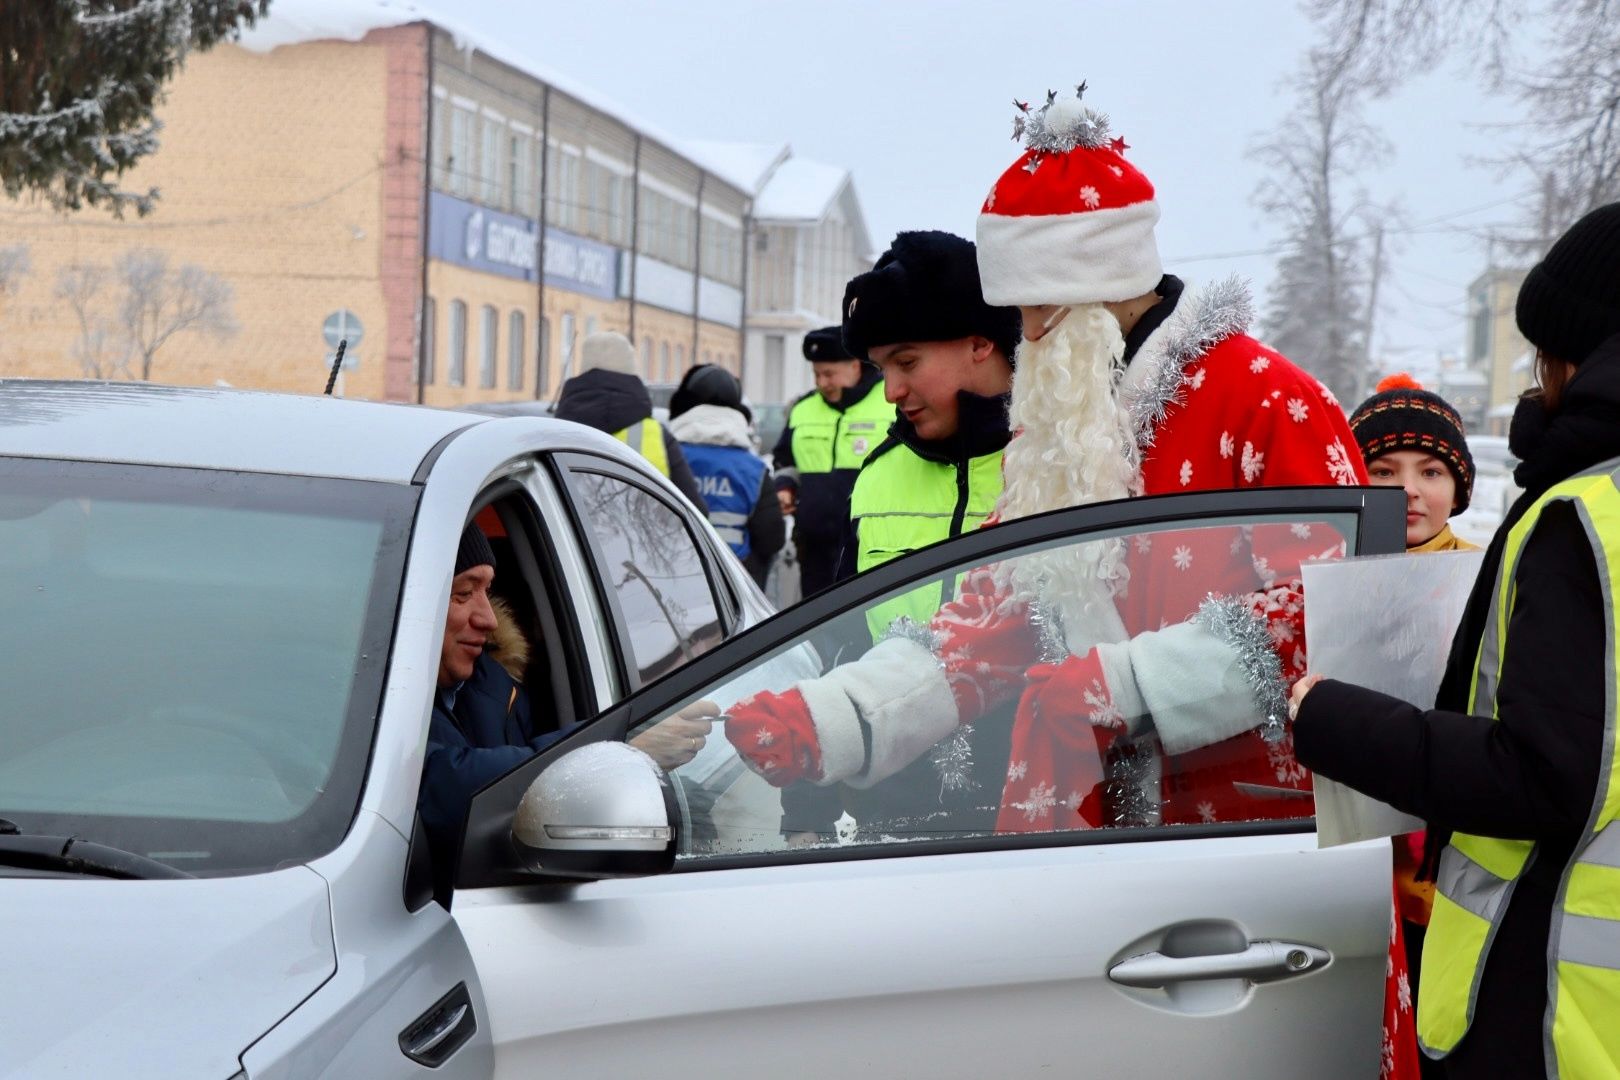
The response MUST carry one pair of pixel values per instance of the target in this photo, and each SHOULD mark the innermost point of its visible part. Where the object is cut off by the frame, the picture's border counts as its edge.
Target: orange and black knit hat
(1402, 415)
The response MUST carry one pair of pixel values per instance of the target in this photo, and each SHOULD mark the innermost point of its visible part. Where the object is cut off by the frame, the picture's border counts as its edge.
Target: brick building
(346, 172)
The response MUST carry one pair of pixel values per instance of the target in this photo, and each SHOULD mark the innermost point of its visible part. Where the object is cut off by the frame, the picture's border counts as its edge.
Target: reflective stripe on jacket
(903, 502)
(646, 438)
(729, 478)
(1477, 874)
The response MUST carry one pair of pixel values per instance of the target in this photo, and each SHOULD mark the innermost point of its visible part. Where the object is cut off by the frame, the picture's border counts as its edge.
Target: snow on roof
(292, 22)
(800, 190)
(749, 165)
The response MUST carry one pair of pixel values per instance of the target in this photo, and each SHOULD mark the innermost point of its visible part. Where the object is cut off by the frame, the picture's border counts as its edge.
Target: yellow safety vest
(826, 438)
(1478, 873)
(903, 502)
(647, 439)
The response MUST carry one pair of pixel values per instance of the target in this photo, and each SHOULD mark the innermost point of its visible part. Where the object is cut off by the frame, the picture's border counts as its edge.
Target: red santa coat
(1213, 409)
(1242, 416)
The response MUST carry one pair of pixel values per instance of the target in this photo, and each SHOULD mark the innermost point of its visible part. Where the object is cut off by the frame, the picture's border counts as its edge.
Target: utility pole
(1363, 380)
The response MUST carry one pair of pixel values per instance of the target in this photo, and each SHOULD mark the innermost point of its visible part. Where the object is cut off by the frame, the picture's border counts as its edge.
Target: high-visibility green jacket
(912, 493)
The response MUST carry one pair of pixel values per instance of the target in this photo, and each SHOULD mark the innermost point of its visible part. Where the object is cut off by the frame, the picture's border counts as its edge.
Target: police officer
(829, 432)
(608, 395)
(946, 359)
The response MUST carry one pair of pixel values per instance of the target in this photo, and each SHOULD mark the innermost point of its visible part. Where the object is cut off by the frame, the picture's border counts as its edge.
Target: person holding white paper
(1520, 759)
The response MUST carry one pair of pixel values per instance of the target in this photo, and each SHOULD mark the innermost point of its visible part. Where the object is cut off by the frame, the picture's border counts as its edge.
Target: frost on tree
(79, 80)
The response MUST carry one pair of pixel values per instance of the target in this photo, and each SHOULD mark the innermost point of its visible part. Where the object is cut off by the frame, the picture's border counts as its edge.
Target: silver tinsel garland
(1217, 313)
(952, 758)
(1231, 621)
(1133, 786)
(1071, 127)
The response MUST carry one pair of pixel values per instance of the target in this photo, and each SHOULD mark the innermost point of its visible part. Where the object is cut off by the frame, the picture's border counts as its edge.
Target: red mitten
(1065, 723)
(775, 736)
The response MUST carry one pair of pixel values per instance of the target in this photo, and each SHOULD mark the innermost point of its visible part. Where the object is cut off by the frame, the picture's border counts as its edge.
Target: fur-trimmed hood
(1153, 381)
(507, 644)
(711, 425)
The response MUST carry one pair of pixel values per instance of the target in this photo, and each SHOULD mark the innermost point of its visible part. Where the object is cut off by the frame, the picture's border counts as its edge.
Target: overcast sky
(915, 98)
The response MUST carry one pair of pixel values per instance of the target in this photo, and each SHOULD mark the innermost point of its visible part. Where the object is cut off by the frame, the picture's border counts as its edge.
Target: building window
(646, 358)
(430, 339)
(458, 344)
(590, 325)
(489, 170)
(516, 342)
(568, 344)
(542, 373)
(462, 160)
(663, 362)
(489, 326)
(680, 359)
(520, 174)
(775, 352)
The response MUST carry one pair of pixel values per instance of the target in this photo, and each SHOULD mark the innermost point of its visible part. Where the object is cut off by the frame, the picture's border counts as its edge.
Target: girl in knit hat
(1414, 439)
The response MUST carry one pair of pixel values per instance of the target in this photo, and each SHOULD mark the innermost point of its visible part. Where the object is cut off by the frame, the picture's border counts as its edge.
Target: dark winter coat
(611, 401)
(485, 733)
(1533, 773)
(823, 497)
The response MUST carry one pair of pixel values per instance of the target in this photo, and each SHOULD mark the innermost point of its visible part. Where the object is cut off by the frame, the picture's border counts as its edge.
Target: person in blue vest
(829, 432)
(609, 396)
(707, 416)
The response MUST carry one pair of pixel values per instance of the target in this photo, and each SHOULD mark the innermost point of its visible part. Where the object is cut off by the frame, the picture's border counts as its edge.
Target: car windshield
(193, 658)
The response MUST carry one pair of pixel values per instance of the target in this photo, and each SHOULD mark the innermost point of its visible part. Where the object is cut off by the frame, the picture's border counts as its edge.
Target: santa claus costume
(1146, 693)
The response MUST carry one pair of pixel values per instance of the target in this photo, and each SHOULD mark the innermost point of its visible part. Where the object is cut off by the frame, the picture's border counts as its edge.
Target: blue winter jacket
(480, 730)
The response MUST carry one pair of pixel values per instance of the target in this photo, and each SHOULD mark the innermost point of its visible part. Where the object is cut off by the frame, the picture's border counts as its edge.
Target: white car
(223, 622)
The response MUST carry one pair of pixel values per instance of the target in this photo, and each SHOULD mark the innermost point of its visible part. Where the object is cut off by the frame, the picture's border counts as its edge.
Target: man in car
(482, 726)
(829, 432)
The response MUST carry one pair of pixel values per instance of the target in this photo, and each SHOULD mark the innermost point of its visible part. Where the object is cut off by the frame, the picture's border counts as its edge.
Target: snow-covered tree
(97, 348)
(79, 80)
(1316, 310)
(1559, 58)
(159, 303)
(14, 266)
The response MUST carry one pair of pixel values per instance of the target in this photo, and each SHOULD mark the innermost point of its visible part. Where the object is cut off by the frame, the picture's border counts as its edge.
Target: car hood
(155, 978)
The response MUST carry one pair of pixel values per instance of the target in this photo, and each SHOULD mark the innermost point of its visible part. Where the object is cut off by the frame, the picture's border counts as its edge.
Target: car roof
(237, 430)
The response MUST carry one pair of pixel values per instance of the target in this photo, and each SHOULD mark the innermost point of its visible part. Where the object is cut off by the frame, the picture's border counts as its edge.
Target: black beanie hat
(1404, 416)
(707, 384)
(1569, 303)
(925, 288)
(474, 550)
(826, 344)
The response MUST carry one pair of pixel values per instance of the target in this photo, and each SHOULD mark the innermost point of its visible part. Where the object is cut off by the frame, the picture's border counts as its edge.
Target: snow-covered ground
(1494, 489)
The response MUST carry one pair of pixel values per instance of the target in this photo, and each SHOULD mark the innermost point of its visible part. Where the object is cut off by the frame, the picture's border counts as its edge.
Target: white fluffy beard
(1074, 445)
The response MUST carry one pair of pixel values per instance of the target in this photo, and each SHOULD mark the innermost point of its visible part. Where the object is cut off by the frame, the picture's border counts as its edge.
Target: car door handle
(1262, 961)
(441, 1031)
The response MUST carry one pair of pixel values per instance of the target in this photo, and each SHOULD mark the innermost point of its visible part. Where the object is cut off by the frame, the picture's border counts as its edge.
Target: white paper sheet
(1384, 622)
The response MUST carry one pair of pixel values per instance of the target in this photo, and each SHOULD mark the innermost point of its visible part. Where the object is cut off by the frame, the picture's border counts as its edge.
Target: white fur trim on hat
(609, 351)
(1094, 257)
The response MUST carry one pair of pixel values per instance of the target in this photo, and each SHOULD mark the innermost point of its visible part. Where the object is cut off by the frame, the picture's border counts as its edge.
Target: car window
(651, 571)
(193, 658)
(1184, 636)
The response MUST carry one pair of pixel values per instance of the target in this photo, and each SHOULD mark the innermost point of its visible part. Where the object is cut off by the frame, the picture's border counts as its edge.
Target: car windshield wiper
(71, 855)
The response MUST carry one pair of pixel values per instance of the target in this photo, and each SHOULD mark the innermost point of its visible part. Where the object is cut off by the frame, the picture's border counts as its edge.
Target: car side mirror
(603, 810)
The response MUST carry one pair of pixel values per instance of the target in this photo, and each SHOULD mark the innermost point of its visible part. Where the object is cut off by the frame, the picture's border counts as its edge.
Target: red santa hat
(1072, 221)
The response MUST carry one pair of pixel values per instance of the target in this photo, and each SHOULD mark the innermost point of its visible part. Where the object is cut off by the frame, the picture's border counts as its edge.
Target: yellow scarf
(1444, 540)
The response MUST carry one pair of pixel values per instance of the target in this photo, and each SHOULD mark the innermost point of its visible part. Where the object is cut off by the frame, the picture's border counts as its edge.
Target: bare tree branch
(158, 303)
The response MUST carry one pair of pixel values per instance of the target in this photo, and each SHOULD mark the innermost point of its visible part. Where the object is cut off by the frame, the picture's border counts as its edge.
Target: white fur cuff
(900, 690)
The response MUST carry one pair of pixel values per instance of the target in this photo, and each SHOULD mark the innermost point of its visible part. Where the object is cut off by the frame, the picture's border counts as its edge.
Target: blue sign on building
(479, 238)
